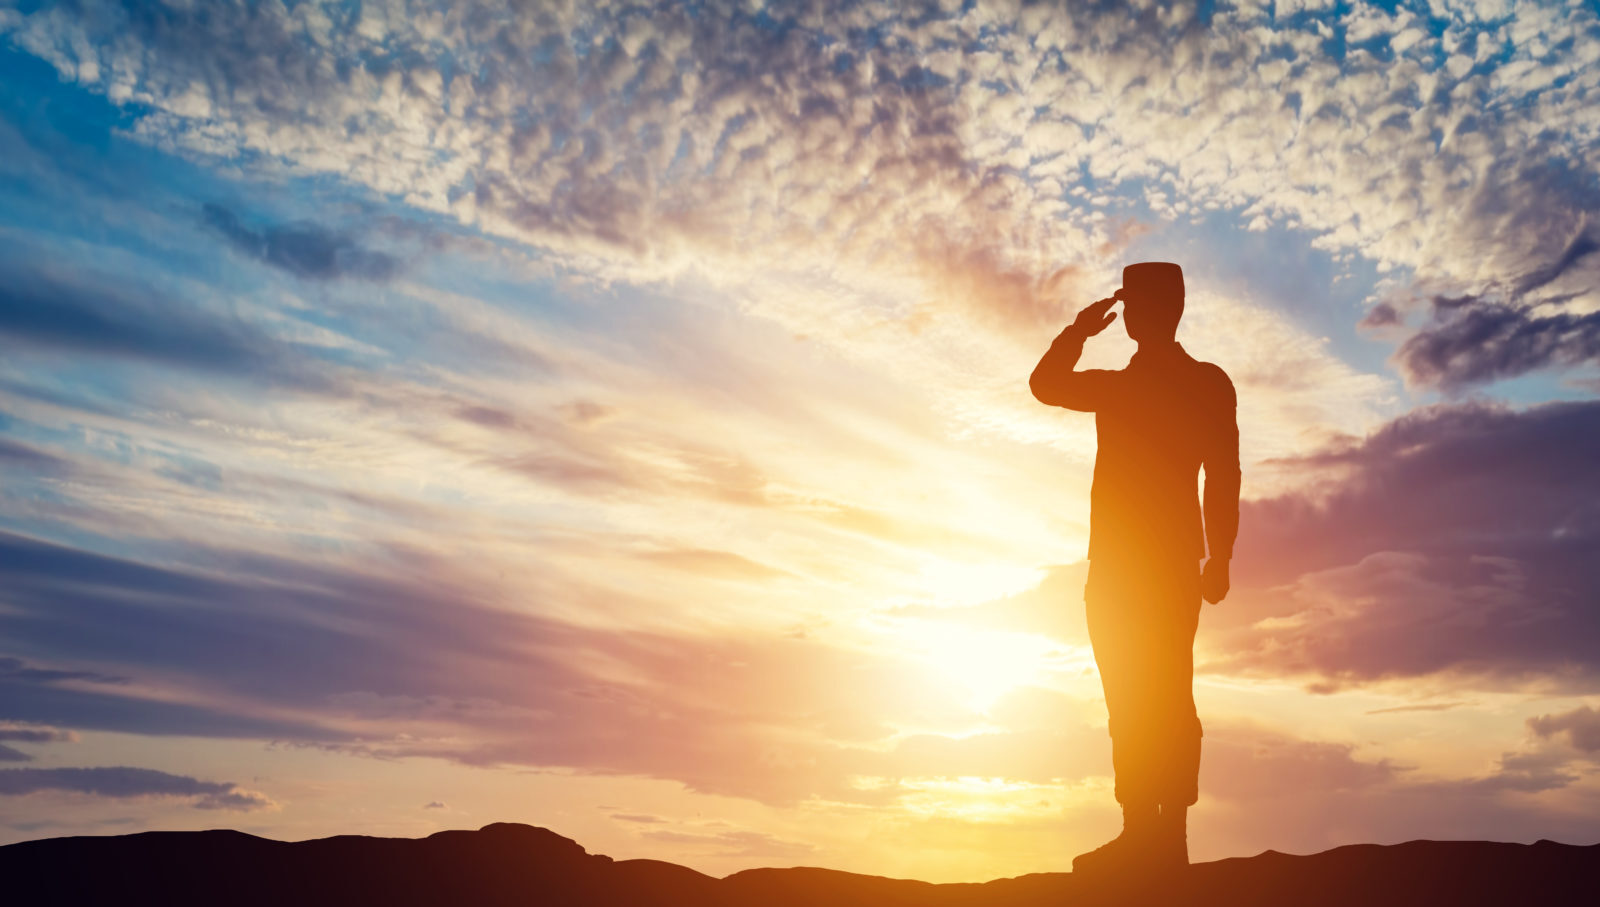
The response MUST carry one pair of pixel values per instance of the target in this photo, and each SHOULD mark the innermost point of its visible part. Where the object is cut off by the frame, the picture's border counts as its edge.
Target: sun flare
(953, 583)
(981, 664)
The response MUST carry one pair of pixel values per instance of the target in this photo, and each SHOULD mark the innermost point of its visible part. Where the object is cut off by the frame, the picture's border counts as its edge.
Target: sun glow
(955, 583)
(980, 799)
(982, 664)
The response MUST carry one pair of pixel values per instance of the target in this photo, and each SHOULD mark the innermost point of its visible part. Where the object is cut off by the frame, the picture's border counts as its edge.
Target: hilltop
(506, 864)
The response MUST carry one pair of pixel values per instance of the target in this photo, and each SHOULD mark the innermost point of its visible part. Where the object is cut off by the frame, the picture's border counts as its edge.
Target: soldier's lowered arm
(1220, 501)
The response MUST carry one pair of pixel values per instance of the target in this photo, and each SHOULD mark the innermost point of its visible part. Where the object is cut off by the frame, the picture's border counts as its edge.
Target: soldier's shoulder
(1212, 375)
(1211, 370)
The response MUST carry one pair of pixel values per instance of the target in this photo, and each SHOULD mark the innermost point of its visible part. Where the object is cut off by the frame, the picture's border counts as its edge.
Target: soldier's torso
(1152, 438)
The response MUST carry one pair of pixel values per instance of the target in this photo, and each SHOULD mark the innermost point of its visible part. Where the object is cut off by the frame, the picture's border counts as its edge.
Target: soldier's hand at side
(1094, 318)
(1214, 580)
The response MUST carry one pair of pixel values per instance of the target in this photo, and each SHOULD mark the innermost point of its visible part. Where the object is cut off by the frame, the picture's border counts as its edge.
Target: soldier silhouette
(1158, 421)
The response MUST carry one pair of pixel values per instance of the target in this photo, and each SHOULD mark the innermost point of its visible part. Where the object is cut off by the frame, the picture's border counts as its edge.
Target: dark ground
(519, 864)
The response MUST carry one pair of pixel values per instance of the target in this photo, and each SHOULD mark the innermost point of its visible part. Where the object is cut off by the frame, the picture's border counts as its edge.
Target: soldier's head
(1152, 300)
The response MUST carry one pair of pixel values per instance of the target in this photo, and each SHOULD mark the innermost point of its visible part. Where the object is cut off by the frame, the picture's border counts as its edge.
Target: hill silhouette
(505, 864)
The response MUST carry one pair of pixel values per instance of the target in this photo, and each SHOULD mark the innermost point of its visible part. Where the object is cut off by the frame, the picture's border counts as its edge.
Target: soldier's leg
(1117, 606)
(1173, 692)
(1116, 641)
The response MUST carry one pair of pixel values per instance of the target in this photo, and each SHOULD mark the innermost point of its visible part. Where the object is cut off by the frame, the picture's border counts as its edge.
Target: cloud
(52, 306)
(10, 730)
(1263, 787)
(1510, 800)
(709, 563)
(1380, 318)
(1473, 478)
(130, 712)
(1582, 246)
(27, 458)
(304, 250)
(971, 152)
(1396, 614)
(411, 665)
(122, 782)
(1244, 763)
(17, 670)
(1477, 341)
(435, 804)
(1528, 773)
(55, 592)
(1425, 707)
(1453, 541)
(1581, 726)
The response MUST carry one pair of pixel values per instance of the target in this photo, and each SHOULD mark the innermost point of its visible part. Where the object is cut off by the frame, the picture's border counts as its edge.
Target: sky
(614, 417)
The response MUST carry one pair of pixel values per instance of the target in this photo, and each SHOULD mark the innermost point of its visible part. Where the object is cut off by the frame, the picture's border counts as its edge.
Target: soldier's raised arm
(1056, 380)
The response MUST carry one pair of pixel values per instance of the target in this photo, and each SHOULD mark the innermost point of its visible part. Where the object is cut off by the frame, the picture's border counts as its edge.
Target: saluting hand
(1095, 317)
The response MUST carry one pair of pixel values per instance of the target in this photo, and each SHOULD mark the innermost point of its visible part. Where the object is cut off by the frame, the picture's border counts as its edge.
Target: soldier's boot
(1171, 833)
(1130, 851)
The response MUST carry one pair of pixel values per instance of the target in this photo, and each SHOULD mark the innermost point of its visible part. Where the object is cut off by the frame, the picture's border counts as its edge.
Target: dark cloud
(304, 250)
(16, 670)
(1402, 614)
(1582, 245)
(130, 714)
(28, 734)
(1381, 316)
(71, 309)
(1518, 327)
(251, 623)
(67, 604)
(1480, 341)
(1532, 223)
(1581, 726)
(32, 459)
(486, 416)
(1528, 773)
(122, 781)
(1463, 479)
(35, 734)
(434, 804)
(1455, 540)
